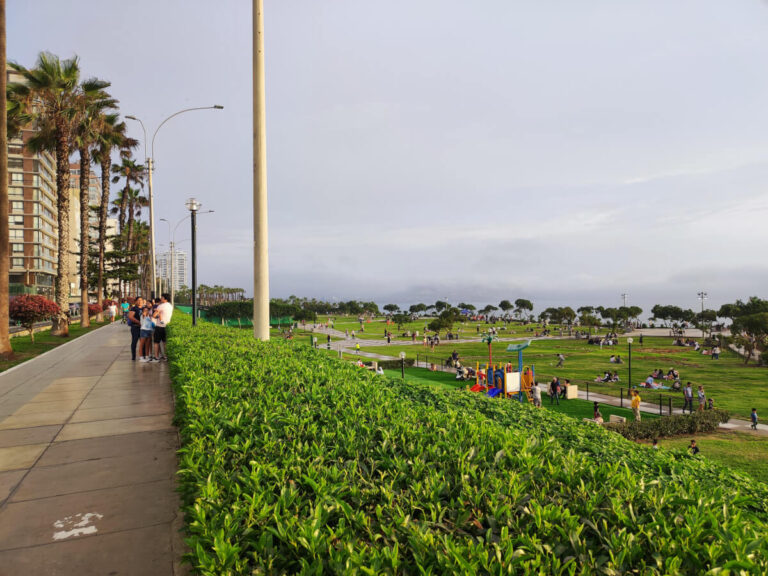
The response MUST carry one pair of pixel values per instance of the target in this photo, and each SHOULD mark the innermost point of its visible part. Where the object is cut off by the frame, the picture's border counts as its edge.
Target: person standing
(134, 321)
(716, 352)
(702, 398)
(636, 405)
(554, 391)
(162, 318)
(536, 393)
(753, 417)
(688, 397)
(112, 311)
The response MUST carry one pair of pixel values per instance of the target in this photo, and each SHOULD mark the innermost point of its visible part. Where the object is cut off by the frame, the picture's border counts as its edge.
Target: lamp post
(193, 206)
(172, 242)
(402, 365)
(150, 160)
(629, 343)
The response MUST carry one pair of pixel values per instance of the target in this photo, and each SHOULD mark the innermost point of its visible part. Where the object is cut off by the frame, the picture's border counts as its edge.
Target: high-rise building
(32, 220)
(179, 269)
(94, 198)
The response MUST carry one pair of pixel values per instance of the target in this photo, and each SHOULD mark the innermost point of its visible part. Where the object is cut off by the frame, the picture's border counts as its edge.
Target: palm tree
(110, 136)
(133, 173)
(86, 135)
(51, 97)
(134, 201)
(5, 341)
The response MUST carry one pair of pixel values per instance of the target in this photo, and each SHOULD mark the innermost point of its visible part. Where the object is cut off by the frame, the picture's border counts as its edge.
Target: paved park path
(88, 463)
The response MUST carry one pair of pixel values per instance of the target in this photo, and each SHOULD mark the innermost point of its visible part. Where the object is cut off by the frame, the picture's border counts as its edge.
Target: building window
(18, 248)
(17, 262)
(16, 192)
(16, 234)
(16, 163)
(16, 220)
(17, 206)
(17, 178)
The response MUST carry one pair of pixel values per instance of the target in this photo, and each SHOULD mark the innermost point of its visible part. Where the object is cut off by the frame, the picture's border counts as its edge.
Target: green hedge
(674, 425)
(295, 462)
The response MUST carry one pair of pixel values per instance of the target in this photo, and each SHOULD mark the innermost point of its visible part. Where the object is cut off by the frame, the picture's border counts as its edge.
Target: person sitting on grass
(596, 415)
(693, 449)
(615, 376)
(649, 381)
(612, 359)
(606, 378)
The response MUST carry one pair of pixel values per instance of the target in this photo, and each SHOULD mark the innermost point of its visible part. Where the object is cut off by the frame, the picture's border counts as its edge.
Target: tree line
(72, 115)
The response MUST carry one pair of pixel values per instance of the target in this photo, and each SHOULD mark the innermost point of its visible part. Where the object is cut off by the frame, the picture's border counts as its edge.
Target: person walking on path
(688, 397)
(162, 318)
(112, 311)
(702, 398)
(124, 307)
(636, 405)
(753, 417)
(134, 321)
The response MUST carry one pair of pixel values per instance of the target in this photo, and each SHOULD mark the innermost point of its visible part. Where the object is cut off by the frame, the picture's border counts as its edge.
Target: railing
(667, 402)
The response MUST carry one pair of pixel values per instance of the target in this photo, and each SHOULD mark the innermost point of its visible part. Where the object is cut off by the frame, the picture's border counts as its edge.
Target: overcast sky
(560, 151)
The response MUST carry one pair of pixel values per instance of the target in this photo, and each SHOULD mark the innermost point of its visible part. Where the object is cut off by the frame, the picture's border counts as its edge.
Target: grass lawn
(742, 451)
(733, 385)
(24, 349)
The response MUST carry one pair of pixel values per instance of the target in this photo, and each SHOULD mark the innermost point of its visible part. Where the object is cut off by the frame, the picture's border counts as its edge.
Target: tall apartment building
(179, 269)
(32, 221)
(94, 198)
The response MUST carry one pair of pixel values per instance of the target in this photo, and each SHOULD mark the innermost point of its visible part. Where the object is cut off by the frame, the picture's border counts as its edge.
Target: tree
(50, 97)
(111, 135)
(506, 305)
(86, 132)
(753, 333)
(400, 319)
(567, 316)
(5, 340)
(133, 174)
(488, 309)
(29, 309)
(417, 308)
(440, 306)
(391, 308)
(704, 320)
(466, 306)
(523, 306)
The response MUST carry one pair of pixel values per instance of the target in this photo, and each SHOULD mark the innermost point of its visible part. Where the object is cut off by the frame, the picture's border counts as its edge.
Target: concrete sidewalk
(88, 463)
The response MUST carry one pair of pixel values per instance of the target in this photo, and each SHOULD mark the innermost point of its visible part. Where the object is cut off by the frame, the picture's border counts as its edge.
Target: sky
(564, 152)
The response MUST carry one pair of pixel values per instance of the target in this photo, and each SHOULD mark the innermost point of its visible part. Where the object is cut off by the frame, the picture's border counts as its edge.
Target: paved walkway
(88, 463)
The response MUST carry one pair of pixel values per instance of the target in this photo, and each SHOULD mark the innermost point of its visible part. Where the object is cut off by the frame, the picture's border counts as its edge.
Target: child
(754, 418)
(655, 444)
(145, 335)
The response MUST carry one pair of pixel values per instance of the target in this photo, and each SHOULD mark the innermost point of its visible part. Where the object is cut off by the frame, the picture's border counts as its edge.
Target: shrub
(674, 425)
(106, 303)
(93, 310)
(295, 462)
(29, 309)
(395, 364)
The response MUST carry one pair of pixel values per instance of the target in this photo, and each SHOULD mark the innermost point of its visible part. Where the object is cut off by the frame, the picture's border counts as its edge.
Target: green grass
(733, 385)
(24, 349)
(292, 462)
(742, 451)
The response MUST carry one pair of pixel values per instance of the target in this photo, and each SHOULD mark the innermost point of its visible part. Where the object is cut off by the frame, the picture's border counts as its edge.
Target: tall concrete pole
(5, 247)
(260, 234)
(150, 162)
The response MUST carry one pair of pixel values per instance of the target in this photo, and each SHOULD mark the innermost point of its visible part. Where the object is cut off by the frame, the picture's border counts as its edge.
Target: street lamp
(629, 343)
(172, 242)
(402, 365)
(193, 206)
(150, 160)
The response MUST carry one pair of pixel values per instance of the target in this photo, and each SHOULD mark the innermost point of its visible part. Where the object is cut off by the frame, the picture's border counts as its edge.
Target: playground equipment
(502, 380)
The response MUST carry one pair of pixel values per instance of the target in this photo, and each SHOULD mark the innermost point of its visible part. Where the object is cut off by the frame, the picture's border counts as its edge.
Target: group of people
(608, 377)
(148, 320)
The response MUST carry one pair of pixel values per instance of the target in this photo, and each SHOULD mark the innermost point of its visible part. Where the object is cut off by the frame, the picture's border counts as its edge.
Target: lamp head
(218, 107)
(402, 355)
(192, 205)
(131, 118)
(629, 340)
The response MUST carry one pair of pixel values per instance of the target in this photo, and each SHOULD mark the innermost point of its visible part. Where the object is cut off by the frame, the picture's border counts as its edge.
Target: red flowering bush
(93, 309)
(106, 303)
(29, 309)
